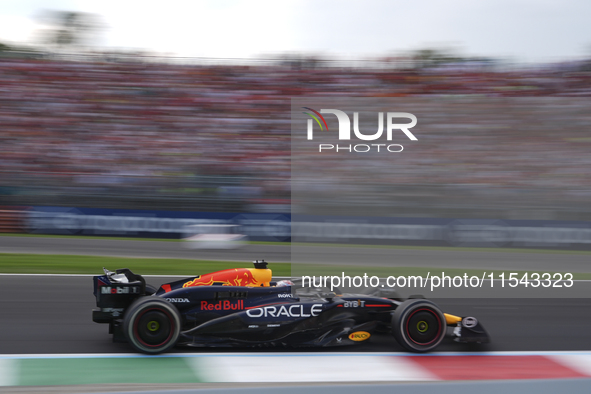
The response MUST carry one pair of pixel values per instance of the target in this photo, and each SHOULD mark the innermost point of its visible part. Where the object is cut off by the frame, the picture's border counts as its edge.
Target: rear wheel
(152, 325)
(418, 325)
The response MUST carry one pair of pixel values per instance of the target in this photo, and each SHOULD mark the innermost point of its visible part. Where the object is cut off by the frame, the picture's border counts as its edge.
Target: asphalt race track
(52, 314)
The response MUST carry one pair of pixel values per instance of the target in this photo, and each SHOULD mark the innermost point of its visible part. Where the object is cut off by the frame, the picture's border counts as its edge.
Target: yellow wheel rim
(422, 326)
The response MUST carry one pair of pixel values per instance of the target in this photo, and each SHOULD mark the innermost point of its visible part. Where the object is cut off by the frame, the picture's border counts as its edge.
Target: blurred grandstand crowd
(203, 137)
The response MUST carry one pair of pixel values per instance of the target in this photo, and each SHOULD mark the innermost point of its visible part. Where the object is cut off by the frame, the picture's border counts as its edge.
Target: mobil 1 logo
(120, 290)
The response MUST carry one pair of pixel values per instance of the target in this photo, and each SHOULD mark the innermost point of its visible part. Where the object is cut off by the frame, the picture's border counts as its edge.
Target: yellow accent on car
(359, 336)
(262, 275)
(451, 319)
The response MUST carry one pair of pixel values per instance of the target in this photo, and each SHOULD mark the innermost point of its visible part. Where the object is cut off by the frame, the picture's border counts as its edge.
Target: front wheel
(418, 325)
(152, 325)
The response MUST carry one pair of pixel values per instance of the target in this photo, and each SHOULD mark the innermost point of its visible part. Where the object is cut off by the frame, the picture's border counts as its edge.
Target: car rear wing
(118, 289)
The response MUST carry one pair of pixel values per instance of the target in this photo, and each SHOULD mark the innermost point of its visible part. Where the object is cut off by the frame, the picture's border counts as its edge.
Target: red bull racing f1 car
(243, 307)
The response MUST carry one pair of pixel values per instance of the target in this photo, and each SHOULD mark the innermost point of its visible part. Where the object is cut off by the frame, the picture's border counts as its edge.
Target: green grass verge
(68, 264)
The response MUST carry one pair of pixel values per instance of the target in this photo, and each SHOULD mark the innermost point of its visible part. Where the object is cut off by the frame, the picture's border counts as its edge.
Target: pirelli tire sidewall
(152, 325)
(418, 325)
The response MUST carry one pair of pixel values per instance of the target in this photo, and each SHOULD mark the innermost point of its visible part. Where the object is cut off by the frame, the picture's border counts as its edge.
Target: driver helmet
(283, 283)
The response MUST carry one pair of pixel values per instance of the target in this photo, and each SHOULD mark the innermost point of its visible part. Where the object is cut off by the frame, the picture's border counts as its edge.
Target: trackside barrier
(278, 227)
(273, 227)
(11, 221)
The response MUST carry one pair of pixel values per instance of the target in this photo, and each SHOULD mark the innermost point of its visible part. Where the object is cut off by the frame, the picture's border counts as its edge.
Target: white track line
(8, 372)
(97, 274)
(327, 369)
(181, 276)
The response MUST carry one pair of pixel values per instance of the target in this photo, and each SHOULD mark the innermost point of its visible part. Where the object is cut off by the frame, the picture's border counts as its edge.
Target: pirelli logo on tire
(359, 336)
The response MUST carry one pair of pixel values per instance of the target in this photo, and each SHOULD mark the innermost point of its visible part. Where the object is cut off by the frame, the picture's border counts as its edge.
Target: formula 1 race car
(244, 307)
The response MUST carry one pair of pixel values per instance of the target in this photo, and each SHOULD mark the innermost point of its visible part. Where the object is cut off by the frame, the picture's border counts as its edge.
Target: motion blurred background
(186, 108)
(162, 119)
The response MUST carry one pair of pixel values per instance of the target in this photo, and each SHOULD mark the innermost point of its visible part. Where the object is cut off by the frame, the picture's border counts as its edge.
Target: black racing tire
(150, 290)
(151, 325)
(418, 325)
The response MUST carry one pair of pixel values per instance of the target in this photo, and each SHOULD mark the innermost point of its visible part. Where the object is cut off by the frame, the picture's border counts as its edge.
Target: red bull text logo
(225, 305)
